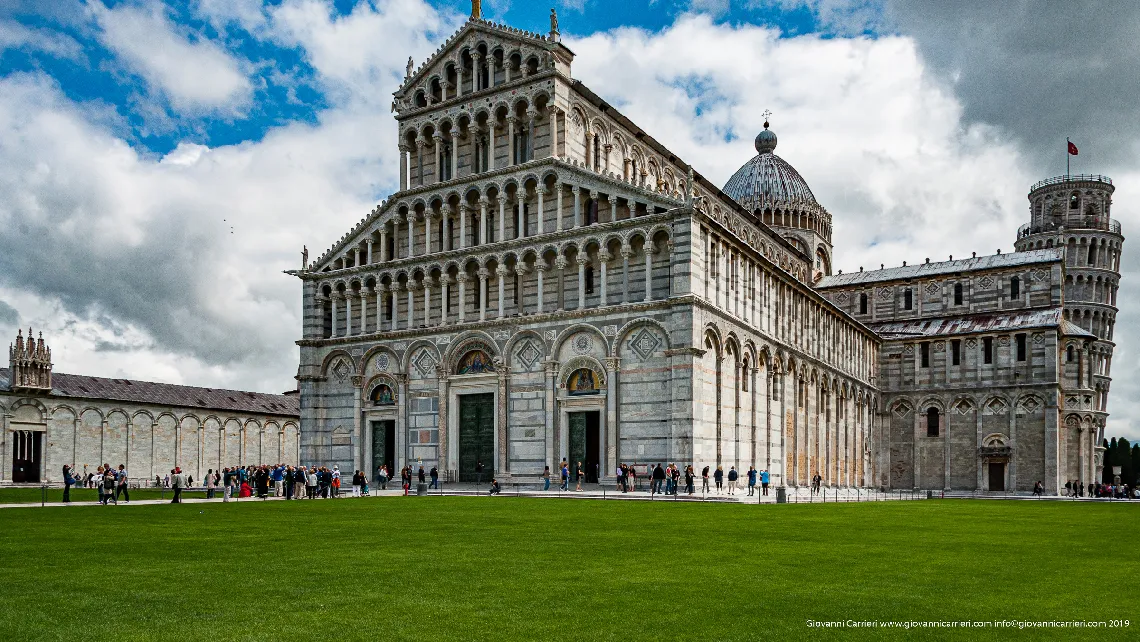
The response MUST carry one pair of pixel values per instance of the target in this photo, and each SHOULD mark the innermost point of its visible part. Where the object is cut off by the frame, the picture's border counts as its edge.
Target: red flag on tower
(1072, 148)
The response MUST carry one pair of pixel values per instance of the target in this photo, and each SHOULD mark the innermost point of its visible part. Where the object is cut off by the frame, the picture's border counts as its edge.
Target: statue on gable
(411, 64)
(553, 23)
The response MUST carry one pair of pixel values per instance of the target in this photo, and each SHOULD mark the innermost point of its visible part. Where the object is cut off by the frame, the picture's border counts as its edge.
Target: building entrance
(585, 446)
(27, 447)
(384, 446)
(476, 437)
(997, 477)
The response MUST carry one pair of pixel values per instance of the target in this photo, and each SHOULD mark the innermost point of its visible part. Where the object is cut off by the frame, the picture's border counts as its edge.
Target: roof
(768, 180)
(977, 323)
(166, 394)
(926, 270)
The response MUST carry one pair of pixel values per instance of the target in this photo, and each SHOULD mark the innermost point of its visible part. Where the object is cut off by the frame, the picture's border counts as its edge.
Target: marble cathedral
(550, 282)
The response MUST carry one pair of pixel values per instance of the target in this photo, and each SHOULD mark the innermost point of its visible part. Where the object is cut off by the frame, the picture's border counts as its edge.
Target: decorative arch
(576, 328)
(627, 331)
(571, 366)
(463, 345)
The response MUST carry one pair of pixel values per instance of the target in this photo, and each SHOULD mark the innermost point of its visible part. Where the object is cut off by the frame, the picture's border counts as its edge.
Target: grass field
(34, 495)
(543, 569)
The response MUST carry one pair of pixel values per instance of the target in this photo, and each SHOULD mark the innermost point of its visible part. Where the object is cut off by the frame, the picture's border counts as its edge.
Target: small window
(955, 352)
(932, 422)
(957, 294)
(1021, 347)
(924, 352)
(589, 280)
(1015, 288)
(1069, 354)
(1092, 254)
(988, 350)
(908, 299)
(863, 303)
(1074, 201)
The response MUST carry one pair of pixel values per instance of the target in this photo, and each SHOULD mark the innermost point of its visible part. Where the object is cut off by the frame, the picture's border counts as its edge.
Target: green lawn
(32, 495)
(544, 569)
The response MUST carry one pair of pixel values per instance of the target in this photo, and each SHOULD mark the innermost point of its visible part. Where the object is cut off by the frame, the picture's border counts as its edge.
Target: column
(610, 437)
(333, 298)
(520, 220)
(560, 265)
(482, 231)
(454, 156)
(404, 149)
(520, 274)
(412, 233)
(369, 255)
(511, 155)
(463, 211)
(552, 118)
(648, 250)
(483, 274)
(603, 259)
(437, 146)
(558, 206)
(396, 289)
(476, 69)
(491, 144)
(355, 257)
(380, 290)
(462, 278)
(420, 144)
(502, 218)
(384, 244)
(445, 296)
(363, 311)
(613, 207)
(429, 217)
(348, 313)
(540, 266)
(427, 300)
(626, 255)
(412, 287)
(531, 115)
(539, 191)
(445, 243)
(582, 260)
(500, 277)
(577, 205)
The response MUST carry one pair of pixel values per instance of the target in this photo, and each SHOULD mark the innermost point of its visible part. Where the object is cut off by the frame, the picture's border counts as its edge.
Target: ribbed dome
(768, 179)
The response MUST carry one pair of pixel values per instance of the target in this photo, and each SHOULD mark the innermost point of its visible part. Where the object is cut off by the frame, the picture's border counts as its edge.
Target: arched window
(1074, 200)
(589, 279)
(1069, 354)
(1015, 288)
(475, 362)
(744, 375)
(932, 422)
(382, 396)
(863, 303)
(908, 299)
(582, 381)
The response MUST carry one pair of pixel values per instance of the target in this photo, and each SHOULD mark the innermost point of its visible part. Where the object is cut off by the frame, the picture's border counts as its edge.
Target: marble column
(553, 124)
(445, 298)
(412, 287)
(577, 191)
(427, 300)
(582, 260)
(445, 243)
(411, 234)
(501, 278)
(454, 156)
(558, 207)
(483, 274)
(511, 156)
(603, 260)
(420, 144)
(333, 299)
(520, 220)
(462, 278)
(482, 231)
(491, 145)
(463, 212)
(437, 140)
(369, 255)
(648, 271)
(560, 264)
(626, 255)
(429, 219)
(540, 266)
(539, 191)
(520, 275)
(380, 290)
(364, 310)
(502, 218)
(397, 287)
(610, 438)
(348, 296)
(613, 208)
(384, 244)
(404, 149)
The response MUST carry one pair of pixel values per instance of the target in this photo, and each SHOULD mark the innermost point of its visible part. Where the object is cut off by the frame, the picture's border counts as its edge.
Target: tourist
(298, 483)
(121, 485)
(546, 477)
(718, 477)
(764, 482)
(733, 476)
(656, 479)
(246, 490)
(166, 481)
(210, 483)
(421, 476)
(97, 478)
(382, 476)
(565, 476)
(1038, 489)
(705, 480)
(68, 480)
(109, 486)
(690, 479)
(815, 482)
(1069, 488)
(479, 472)
(581, 474)
(676, 477)
(406, 479)
(434, 477)
(356, 483)
(495, 489)
(751, 481)
(176, 485)
(632, 470)
(334, 481)
(363, 484)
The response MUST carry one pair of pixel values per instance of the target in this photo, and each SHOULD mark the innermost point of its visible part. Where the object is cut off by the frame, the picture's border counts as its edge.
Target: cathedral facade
(551, 283)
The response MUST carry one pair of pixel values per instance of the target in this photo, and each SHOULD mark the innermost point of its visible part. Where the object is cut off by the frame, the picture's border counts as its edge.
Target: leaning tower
(1075, 212)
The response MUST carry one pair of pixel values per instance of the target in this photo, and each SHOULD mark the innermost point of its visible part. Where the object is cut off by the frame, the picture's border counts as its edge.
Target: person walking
(733, 476)
(546, 477)
(382, 477)
(109, 487)
(764, 482)
(718, 477)
(676, 478)
(690, 479)
(334, 481)
(210, 483)
(705, 480)
(479, 472)
(176, 482)
(356, 483)
(751, 481)
(581, 475)
(565, 476)
(121, 485)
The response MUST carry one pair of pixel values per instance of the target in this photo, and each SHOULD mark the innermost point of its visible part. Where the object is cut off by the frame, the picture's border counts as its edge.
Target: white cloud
(14, 35)
(197, 76)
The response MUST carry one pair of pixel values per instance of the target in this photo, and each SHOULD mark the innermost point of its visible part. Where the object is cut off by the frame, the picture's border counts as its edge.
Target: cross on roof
(766, 114)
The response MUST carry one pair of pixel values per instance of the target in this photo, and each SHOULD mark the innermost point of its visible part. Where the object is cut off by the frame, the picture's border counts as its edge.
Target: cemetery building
(50, 420)
(550, 282)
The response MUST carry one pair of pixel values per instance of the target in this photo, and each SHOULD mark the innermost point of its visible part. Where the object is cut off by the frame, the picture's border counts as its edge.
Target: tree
(1135, 464)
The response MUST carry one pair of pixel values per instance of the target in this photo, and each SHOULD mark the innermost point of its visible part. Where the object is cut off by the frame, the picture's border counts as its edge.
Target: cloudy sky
(161, 164)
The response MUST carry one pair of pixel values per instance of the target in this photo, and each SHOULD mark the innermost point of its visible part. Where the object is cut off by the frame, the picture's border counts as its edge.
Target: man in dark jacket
(658, 479)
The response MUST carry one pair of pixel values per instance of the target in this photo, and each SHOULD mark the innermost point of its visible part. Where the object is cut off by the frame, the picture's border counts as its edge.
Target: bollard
(781, 495)
(43, 495)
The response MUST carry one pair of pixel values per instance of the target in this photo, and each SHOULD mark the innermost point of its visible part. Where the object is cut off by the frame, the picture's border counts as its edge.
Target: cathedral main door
(384, 446)
(584, 443)
(476, 436)
(997, 476)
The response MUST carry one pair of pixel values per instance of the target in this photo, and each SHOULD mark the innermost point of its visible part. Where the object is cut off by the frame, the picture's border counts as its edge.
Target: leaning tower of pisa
(1075, 212)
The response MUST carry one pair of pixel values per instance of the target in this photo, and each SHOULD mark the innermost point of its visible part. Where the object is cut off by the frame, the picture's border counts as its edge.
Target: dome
(768, 179)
